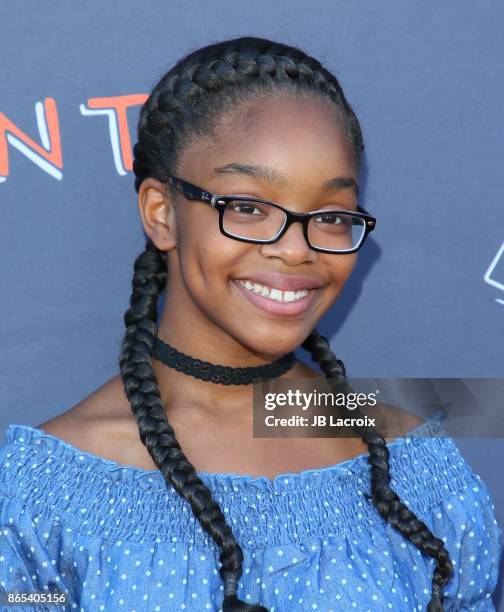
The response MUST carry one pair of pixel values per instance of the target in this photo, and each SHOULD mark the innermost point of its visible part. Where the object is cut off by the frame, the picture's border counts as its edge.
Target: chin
(270, 347)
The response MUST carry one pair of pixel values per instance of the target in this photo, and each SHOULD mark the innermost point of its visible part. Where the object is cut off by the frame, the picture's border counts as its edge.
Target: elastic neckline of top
(430, 428)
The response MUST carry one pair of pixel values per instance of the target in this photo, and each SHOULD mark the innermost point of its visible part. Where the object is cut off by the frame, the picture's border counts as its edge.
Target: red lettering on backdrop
(115, 107)
(49, 157)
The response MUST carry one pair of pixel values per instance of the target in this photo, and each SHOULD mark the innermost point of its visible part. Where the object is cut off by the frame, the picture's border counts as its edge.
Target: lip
(283, 282)
(283, 309)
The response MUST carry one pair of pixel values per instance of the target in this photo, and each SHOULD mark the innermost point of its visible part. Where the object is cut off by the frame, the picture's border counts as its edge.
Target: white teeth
(273, 293)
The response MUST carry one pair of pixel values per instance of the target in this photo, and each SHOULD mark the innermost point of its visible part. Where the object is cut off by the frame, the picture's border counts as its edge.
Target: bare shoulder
(397, 420)
(391, 417)
(102, 423)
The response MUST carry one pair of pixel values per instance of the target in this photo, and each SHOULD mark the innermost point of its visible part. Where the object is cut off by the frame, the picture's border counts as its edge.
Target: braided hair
(185, 103)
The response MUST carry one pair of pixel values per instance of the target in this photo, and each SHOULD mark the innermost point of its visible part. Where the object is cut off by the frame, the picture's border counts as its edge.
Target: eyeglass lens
(255, 220)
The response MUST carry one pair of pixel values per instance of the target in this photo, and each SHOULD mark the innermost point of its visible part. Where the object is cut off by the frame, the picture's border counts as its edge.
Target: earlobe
(157, 214)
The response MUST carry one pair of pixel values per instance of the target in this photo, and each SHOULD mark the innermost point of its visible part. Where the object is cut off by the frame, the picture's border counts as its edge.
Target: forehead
(300, 135)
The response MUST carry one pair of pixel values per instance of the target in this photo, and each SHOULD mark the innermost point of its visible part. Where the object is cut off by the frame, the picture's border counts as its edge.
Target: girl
(152, 494)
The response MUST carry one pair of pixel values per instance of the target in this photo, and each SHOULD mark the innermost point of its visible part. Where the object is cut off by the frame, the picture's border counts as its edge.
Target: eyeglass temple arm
(191, 192)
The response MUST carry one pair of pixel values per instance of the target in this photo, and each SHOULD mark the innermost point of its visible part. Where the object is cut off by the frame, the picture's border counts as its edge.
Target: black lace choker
(223, 375)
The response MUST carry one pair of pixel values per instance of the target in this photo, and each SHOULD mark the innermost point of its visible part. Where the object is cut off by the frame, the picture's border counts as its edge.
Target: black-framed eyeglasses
(251, 219)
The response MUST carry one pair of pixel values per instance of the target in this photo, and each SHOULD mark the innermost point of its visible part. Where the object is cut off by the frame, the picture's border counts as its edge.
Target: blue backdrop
(425, 79)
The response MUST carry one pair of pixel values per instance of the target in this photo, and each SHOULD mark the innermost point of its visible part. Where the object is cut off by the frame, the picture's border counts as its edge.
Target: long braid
(384, 498)
(156, 433)
(188, 101)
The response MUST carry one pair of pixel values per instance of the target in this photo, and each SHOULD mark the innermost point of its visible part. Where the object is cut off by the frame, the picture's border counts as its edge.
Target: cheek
(341, 267)
(207, 258)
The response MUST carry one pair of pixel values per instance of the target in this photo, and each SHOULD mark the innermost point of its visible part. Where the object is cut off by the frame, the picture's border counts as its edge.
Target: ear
(157, 212)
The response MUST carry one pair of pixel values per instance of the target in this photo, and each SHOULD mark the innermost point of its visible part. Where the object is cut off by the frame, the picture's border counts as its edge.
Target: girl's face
(301, 144)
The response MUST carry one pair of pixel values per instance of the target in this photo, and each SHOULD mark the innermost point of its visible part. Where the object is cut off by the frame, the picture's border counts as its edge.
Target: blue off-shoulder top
(116, 537)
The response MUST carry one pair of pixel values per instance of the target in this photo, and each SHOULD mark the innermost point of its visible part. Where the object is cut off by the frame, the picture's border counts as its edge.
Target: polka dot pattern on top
(115, 537)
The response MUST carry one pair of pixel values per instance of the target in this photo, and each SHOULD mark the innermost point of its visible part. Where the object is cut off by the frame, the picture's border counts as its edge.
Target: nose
(292, 247)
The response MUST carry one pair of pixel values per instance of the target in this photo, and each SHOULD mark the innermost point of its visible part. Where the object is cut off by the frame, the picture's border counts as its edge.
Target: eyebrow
(271, 175)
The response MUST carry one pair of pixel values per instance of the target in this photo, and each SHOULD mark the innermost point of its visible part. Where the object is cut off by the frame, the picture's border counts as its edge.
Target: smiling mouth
(275, 303)
(274, 294)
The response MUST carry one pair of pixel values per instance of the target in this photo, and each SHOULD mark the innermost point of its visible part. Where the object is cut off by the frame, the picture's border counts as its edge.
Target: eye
(332, 222)
(329, 219)
(244, 207)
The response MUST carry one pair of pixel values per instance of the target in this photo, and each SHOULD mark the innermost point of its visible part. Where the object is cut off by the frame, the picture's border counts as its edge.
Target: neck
(188, 333)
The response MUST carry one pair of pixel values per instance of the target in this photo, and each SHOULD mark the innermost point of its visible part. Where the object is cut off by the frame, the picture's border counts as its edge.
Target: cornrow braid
(212, 80)
(187, 102)
(384, 498)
